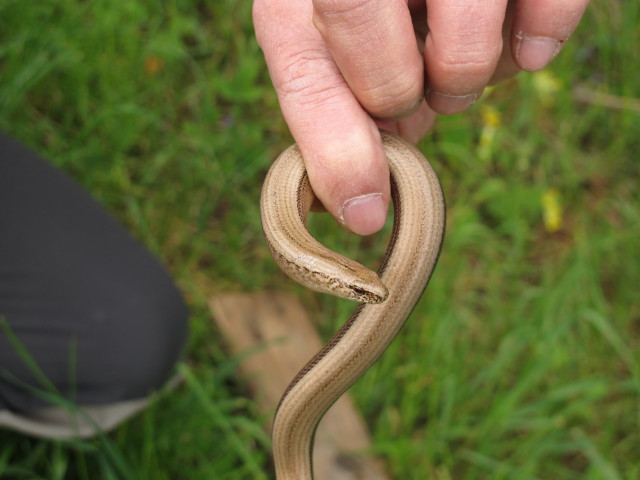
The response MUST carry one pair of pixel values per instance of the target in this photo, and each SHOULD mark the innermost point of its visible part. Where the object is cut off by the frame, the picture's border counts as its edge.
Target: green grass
(520, 362)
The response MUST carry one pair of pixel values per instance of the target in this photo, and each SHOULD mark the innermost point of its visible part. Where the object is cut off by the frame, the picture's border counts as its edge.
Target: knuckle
(308, 78)
(355, 15)
(395, 97)
(470, 61)
(473, 64)
(340, 7)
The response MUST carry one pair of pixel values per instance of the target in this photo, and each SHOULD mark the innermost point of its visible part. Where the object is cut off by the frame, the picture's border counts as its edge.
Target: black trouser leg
(96, 311)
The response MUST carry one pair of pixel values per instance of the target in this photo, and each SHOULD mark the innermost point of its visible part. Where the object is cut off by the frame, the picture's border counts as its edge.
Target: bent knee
(136, 347)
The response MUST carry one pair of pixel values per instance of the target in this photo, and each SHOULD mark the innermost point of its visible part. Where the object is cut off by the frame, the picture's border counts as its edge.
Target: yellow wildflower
(491, 120)
(546, 85)
(551, 210)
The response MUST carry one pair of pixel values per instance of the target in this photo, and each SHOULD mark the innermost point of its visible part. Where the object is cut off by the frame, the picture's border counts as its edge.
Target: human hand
(344, 68)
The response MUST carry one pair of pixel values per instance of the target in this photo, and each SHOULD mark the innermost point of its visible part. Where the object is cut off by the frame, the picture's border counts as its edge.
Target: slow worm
(389, 296)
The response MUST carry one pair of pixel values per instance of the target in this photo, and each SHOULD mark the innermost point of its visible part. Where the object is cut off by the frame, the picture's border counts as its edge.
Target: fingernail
(450, 104)
(365, 214)
(535, 53)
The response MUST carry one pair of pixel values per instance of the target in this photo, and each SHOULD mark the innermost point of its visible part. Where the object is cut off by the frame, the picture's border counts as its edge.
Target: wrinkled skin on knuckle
(396, 98)
(308, 77)
(339, 10)
(465, 70)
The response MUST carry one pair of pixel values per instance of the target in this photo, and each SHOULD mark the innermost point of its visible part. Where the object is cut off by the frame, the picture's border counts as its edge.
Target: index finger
(339, 141)
(373, 44)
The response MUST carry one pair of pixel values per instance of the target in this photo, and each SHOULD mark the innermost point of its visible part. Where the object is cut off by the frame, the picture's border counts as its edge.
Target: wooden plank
(277, 336)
